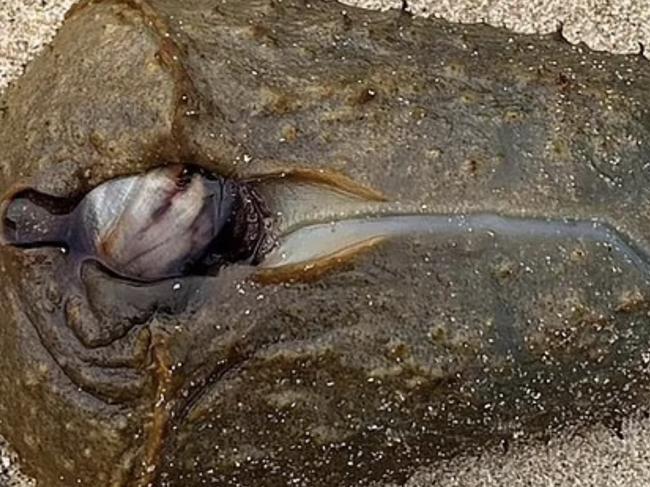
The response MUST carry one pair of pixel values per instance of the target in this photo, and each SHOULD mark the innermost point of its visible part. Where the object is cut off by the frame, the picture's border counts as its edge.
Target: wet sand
(595, 458)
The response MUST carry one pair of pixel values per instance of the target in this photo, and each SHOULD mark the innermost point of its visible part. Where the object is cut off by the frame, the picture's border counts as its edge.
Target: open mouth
(180, 220)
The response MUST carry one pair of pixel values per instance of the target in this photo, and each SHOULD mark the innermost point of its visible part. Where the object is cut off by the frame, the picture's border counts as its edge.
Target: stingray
(273, 242)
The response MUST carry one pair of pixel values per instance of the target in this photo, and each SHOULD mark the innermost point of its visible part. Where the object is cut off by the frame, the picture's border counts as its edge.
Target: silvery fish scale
(425, 346)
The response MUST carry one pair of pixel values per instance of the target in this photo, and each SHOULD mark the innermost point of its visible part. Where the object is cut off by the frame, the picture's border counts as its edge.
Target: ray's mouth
(180, 220)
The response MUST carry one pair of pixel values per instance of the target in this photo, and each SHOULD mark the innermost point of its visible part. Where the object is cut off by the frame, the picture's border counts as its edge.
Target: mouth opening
(180, 220)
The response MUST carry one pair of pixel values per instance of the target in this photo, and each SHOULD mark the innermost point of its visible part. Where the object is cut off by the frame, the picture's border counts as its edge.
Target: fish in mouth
(180, 220)
(169, 222)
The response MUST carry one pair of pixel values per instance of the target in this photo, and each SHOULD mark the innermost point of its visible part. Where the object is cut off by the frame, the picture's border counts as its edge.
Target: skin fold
(416, 348)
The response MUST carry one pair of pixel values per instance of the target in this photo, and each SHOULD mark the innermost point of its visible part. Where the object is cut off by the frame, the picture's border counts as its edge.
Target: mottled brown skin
(421, 348)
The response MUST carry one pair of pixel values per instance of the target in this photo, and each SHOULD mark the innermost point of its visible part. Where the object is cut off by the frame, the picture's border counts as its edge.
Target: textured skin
(423, 347)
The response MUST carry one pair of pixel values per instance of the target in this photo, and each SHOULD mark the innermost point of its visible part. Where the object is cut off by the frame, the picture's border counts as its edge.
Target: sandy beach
(596, 458)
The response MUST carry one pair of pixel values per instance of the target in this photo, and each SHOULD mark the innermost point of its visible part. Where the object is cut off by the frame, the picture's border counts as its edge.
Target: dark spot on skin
(512, 116)
(364, 96)
(564, 82)
(282, 105)
(472, 167)
(263, 34)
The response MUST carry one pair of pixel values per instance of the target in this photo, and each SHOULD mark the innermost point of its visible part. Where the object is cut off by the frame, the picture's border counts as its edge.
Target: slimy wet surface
(502, 186)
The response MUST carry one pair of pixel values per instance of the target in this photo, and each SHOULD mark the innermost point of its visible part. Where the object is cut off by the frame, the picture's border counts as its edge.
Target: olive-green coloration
(423, 346)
